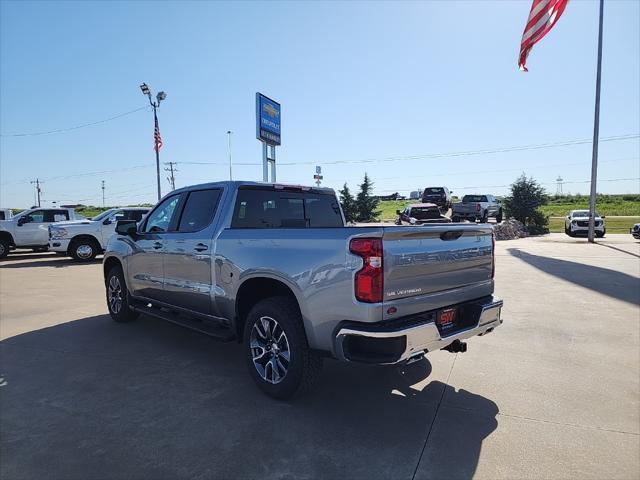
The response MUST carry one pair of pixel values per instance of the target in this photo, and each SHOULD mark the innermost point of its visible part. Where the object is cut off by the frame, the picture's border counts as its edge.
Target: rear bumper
(389, 343)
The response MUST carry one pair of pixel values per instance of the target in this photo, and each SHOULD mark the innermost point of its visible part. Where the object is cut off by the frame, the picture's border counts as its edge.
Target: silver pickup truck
(274, 267)
(477, 208)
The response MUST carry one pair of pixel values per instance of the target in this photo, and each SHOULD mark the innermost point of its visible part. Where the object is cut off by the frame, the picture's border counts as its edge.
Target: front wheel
(4, 247)
(278, 355)
(118, 297)
(601, 234)
(84, 250)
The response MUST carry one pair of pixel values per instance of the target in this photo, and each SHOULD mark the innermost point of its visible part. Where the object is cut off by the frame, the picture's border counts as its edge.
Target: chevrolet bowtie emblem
(271, 111)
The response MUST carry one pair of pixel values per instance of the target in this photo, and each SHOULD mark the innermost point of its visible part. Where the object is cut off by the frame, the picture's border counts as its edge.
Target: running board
(221, 332)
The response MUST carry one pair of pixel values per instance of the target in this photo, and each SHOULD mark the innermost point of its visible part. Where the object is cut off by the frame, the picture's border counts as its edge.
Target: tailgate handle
(451, 235)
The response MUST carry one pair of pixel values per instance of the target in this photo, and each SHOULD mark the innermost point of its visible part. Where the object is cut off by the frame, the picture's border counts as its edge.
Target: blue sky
(356, 81)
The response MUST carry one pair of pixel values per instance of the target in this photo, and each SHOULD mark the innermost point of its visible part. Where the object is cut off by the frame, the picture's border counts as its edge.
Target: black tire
(304, 366)
(485, 217)
(455, 219)
(499, 217)
(571, 233)
(4, 247)
(115, 283)
(84, 249)
(601, 234)
(566, 230)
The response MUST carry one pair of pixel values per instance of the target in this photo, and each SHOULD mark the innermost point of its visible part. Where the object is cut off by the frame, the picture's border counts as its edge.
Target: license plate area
(446, 319)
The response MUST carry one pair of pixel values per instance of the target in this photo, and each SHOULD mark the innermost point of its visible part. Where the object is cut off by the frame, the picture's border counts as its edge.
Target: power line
(62, 130)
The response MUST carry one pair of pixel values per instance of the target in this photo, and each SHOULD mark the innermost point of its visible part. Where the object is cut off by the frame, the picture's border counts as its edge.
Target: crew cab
(29, 229)
(419, 214)
(274, 267)
(83, 240)
(577, 223)
(477, 208)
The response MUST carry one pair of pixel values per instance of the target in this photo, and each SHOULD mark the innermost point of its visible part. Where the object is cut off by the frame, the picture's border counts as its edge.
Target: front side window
(263, 208)
(160, 219)
(37, 216)
(199, 210)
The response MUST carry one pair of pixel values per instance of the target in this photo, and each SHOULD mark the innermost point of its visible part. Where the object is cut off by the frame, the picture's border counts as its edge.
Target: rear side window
(199, 210)
(56, 215)
(257, 208)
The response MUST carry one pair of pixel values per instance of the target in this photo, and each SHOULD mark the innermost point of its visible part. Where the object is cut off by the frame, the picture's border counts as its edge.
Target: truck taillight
(369, 279)
(493, 254)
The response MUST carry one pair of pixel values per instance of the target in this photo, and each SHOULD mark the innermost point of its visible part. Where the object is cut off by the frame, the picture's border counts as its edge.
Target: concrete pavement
(553, 393)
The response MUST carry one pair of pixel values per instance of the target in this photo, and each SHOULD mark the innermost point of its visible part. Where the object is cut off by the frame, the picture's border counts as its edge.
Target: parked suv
(29, 229)
(577, 222)
(441, 196)
(274, 267)
(83, 240)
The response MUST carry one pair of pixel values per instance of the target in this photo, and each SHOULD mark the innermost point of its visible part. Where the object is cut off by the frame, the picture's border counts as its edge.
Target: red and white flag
(543, 16)
(157, 138)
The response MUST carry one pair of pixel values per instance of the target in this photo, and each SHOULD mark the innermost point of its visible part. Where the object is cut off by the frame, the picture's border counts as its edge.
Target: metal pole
(229, 132)
(265, 165)
(155, 125)
(103, 193)
(273, 163)
(596, 132)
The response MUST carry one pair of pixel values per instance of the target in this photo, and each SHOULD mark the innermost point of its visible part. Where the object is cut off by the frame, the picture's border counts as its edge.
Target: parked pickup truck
(420, 213)
(83, 240)
(29, 229)
(274, 267)
(5, 214)
(477, 208)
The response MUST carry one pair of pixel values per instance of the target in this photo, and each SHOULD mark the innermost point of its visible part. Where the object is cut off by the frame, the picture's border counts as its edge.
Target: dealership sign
(267, 120)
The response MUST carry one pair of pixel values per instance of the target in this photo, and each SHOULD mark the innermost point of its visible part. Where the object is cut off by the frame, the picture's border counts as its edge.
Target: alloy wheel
(270, 350)
(115, 295)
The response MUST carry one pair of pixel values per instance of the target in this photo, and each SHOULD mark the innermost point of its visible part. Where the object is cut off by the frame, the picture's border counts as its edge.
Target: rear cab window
(258, 207)
(474, 198)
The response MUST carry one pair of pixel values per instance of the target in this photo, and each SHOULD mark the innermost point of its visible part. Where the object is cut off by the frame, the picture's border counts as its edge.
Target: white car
(577, 222)
(29, 229)
(85, 239)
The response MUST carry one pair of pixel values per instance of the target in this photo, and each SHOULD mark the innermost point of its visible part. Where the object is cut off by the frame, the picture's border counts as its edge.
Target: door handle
(201, 247)
(157, 245)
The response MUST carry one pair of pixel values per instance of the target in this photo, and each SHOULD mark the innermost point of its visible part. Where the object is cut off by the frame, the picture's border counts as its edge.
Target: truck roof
(244, 183)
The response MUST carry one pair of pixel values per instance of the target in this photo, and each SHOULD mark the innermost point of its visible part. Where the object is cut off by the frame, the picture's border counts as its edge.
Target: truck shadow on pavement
(94, 399)
(609, 282)
(44, 261)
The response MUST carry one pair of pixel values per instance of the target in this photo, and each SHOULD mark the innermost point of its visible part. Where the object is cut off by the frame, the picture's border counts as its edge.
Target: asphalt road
(553, 393)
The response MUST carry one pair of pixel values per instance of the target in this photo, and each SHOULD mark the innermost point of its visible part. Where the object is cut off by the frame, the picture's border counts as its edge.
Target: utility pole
(102, 193)
(37, 183)
(171, 178)
(229, 132)
(156, 133)
(596, 133)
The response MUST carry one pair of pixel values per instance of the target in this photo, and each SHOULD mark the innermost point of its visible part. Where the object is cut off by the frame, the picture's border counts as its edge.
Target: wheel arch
(108, 264)
(254, 289)
(83, 236)
(7, 236)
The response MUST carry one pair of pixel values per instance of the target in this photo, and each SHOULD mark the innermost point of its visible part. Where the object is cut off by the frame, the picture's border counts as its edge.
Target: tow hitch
(456, 347)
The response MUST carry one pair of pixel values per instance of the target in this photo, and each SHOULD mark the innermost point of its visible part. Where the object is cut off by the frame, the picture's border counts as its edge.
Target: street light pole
(229, 132)
(156, 132)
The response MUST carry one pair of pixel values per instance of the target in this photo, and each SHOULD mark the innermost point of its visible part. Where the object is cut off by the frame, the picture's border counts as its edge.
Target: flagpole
(596, 132)
(155, 119)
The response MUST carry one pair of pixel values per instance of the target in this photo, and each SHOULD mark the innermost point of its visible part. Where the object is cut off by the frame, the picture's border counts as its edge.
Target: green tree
(527, 195)
(348, 204)
(366, 204)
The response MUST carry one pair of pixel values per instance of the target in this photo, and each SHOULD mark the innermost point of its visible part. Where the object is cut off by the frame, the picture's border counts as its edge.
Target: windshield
(583, 213)
(103, 215)
(474, 198)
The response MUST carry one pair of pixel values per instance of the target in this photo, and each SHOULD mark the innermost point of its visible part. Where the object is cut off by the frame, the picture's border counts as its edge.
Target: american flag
(543, 16)
(157, 137)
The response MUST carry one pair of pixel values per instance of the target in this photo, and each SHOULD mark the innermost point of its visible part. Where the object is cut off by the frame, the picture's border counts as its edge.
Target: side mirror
(603, 216)
(398, 212)
(22, 221)
(127, 228)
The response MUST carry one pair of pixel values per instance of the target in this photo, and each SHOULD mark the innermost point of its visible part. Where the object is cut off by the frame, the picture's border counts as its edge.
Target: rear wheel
(485, 217)
(278, 355)
(118, 297)
(499, 217)
(4, 247)
(84, 250)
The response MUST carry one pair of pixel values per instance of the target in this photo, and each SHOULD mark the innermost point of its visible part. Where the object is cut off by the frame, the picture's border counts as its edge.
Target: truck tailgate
(430, 259)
